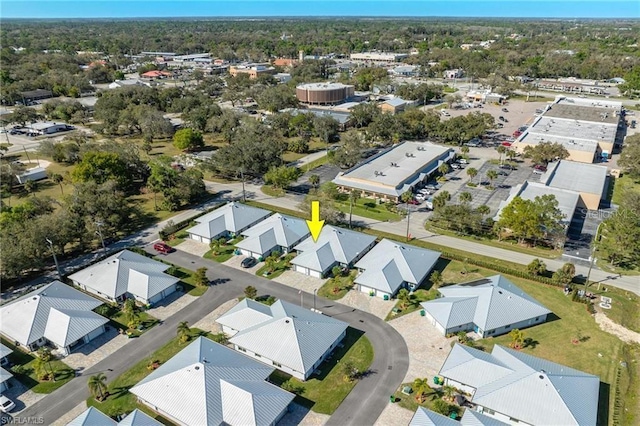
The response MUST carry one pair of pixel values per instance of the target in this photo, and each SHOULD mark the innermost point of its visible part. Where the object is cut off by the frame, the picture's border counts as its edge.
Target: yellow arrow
(315, 224)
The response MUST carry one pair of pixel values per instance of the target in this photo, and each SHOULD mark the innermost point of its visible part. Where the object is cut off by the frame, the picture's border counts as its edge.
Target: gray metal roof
(573, 176)
(92, 417)
(396, 102)
(489, 303)
(231, 217)
(126, 272)
(333, 245)
(138, 418)
(276, 230)
(66, 326)
(390, 263)
(291, 335)
(4, 351)
(4, 375)
(473, 418)
(524, 387)
(567, 200)
(388, 172)
(424, 417)
(214, 384)
(26, 319)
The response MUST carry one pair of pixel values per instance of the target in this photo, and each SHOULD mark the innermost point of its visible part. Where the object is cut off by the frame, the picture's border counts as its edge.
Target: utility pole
(98, 225)
(592, 257)
(314, 299)
(408, 219)
(55, 259)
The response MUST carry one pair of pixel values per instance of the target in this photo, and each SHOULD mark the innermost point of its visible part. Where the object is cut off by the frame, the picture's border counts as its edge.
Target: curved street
(362, 406)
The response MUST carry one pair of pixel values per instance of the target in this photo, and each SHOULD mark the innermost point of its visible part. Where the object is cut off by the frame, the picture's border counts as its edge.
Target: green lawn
(314, 164)
(188, 282)
(224, 253)
(282, 264)
(271, 191)
(624, 307)
(367, 207)
(410, 403)
(120, 400)
(418, 296)
(324, 393)
(337, 287)
(146, 320)
(23, 364)
(179, 238)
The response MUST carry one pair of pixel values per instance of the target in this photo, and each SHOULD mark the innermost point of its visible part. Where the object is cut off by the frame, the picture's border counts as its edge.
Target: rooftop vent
(197, 367)
(287, 321)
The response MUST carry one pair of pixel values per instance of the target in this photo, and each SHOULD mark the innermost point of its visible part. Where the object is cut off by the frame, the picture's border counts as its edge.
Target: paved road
(363, 405)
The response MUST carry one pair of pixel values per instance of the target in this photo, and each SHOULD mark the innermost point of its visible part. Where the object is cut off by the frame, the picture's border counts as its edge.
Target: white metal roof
(276, 230)
(26, 319)
(138, 418)
(524, 387)
(474, 418)
(292, 336)
(574, 176)
(489, 303)
(333, 245)
(4, 351)
(390, 263)
(66, 326)
(425, 417)
(232, 217)
(4, 375)
(126, 272)
(92, 417)
(208, 384)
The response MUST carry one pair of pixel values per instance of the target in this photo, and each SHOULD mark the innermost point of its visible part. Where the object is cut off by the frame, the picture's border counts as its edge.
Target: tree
(483, 209)
(129, 311)
(629, 159)
(349, 370)
(465, 197)
(46, 356)
(314, 181)
(364, 113)
(472, 173)
(270, 263)
(441, 200)
(336, 271)
(299, 145)
(619, 241)
(250, 292)
(282, 176)
(183, 331)
(220, 338)
(40, 368)
(449, 391)
(23, 115)
(188, 139)
(545, 152)
(350, 150)
(436, 279)
(31, 186)
(421, 387)
(98, 386)
(101, 167)
(444, 168)
(511, 154)
(325, 127)
(57, 178)
(531, 220)
(404, 297)
(354, 196)
(537, 267)
(492, 175)
(440, 406)
(464, 150)
(517, 338)
(501, 150)
(200, 277)
(216, 244)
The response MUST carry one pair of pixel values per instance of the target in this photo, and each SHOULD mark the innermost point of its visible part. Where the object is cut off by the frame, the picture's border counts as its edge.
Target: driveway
(96, 350)
(374, 305)
(300, 281)
(171, 304)
(236, 260)
(194, 247)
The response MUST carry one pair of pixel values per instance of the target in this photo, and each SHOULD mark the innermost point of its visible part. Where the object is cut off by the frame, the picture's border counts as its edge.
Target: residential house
(209, 384)
(127, 275)
(490, 307)
(293, 339)
(391, 265)
(4, 379)
(275, 233)
(226, 222)
(425, 417)
(4, 362)
(517, 388)
(55, 313)
(93, 417)
(335, 246)
(4, 353)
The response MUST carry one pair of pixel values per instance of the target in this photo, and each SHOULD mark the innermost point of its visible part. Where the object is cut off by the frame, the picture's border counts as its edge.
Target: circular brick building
(323, 93)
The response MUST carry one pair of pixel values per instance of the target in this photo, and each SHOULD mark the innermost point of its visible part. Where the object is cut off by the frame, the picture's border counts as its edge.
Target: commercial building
(489, 307)
(129, 82)
(324, 93)
(588, 180)
(49, 128)
(226, 222)
(35, 95)
(291, 338)
(517, 388)
(252, 70)
(209, 384)
(395, 171)
(587, 129)
(393, 106)
(378, 57)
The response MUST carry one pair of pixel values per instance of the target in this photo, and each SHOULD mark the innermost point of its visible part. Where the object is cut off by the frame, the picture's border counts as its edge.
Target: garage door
(301, 269)
(196, 237)
(316, 274)
(365, 289)
(95, 333)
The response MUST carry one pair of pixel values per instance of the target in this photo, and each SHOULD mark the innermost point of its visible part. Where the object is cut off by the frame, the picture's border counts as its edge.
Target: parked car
(463, 161)
(502, 173)
(6, 405)
(540, 167)
(163, 247)
(506, 167)
(499, 125)
(537, 172)
(456, 166)
(425, 191)
(445, 113)
(505, 110)
(473, 143)
(501, 118)
(539, 111)
(248, 262)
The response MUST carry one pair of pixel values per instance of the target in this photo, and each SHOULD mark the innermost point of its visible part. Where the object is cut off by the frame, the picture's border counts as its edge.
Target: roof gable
(425, 417)
(66, 326)
(345, 246)
(139, 418)
(92, 417)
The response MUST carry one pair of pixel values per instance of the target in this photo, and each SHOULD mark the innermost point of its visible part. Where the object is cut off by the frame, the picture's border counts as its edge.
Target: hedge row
(617, 405)
(175, 227)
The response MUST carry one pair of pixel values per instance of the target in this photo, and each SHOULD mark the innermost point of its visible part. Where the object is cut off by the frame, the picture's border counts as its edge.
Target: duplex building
(226, 222)
(127, 275)
(293, 339)
(489, 307)
(425, 417)
(4, 374)
(94, 417)
(275, 233)
(335, 246)
(391, 265)
(395, 171)
(518, 388)
(55, 313)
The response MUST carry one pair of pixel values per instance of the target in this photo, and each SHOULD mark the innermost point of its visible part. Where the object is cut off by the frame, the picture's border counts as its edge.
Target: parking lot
(326, 172)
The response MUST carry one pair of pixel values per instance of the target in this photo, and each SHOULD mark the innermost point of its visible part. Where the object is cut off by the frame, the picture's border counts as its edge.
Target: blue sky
(256, 8)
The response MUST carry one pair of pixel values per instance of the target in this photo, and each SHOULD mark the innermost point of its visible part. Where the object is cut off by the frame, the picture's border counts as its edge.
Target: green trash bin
(422, 313)
(385, 297)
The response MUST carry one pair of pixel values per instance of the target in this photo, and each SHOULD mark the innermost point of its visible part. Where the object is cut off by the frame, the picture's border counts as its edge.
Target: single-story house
(335, 246)
(490, 307)
(55, 313)
(391, 265)
(425, 417)
(127, 275)
(275, 233)
(156, 74)
(4, 353)
(94, 417)
(226, 222)
(294, 339)
(36, 173)
(515, 387)
(209, 384)
(4, 379)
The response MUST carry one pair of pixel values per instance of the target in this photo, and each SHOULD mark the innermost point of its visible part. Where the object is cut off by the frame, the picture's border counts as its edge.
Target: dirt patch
(617, 330)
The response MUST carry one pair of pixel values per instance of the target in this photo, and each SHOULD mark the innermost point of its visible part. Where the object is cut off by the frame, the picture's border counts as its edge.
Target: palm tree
(420, 387)
(353, 198)
(31, 186)
(491, 175)
(464, 150)
(404, 297)
(465, 197)
(183, 332)
(314, 181)
(471, 172)
(443, 168)
(57, 178)
(436, 279)
(97, 386)
(501, 150)
(511, 154)
(215, 246)
(270, 263)
(46, 356)
(517, 338)
(483, 209)
(129, 310)
(40, 368)
(448, 392)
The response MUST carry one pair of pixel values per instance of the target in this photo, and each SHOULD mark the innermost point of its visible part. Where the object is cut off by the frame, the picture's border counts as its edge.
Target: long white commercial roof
(567, 200)
(574, 176)
(322, 86)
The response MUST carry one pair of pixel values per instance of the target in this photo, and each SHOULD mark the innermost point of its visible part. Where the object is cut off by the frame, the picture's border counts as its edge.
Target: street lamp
(55, 259)
(314, 299)
(98, 232)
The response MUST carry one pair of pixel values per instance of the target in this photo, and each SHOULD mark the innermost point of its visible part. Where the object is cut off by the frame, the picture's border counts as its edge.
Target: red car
(163, 247)
(540, 167)
(517, 133)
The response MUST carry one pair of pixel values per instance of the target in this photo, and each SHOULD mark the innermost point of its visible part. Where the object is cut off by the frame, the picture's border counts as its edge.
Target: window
(241, 349)
(258, 355)
(276, 364)
(488, 411)
(507, 326)
(511, 419)
(537, 318)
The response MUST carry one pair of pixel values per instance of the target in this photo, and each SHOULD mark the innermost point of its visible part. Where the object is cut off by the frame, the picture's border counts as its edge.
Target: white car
(425, 191)
(463, 161)
(420, 197)
(6, 405)
(445, 113)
